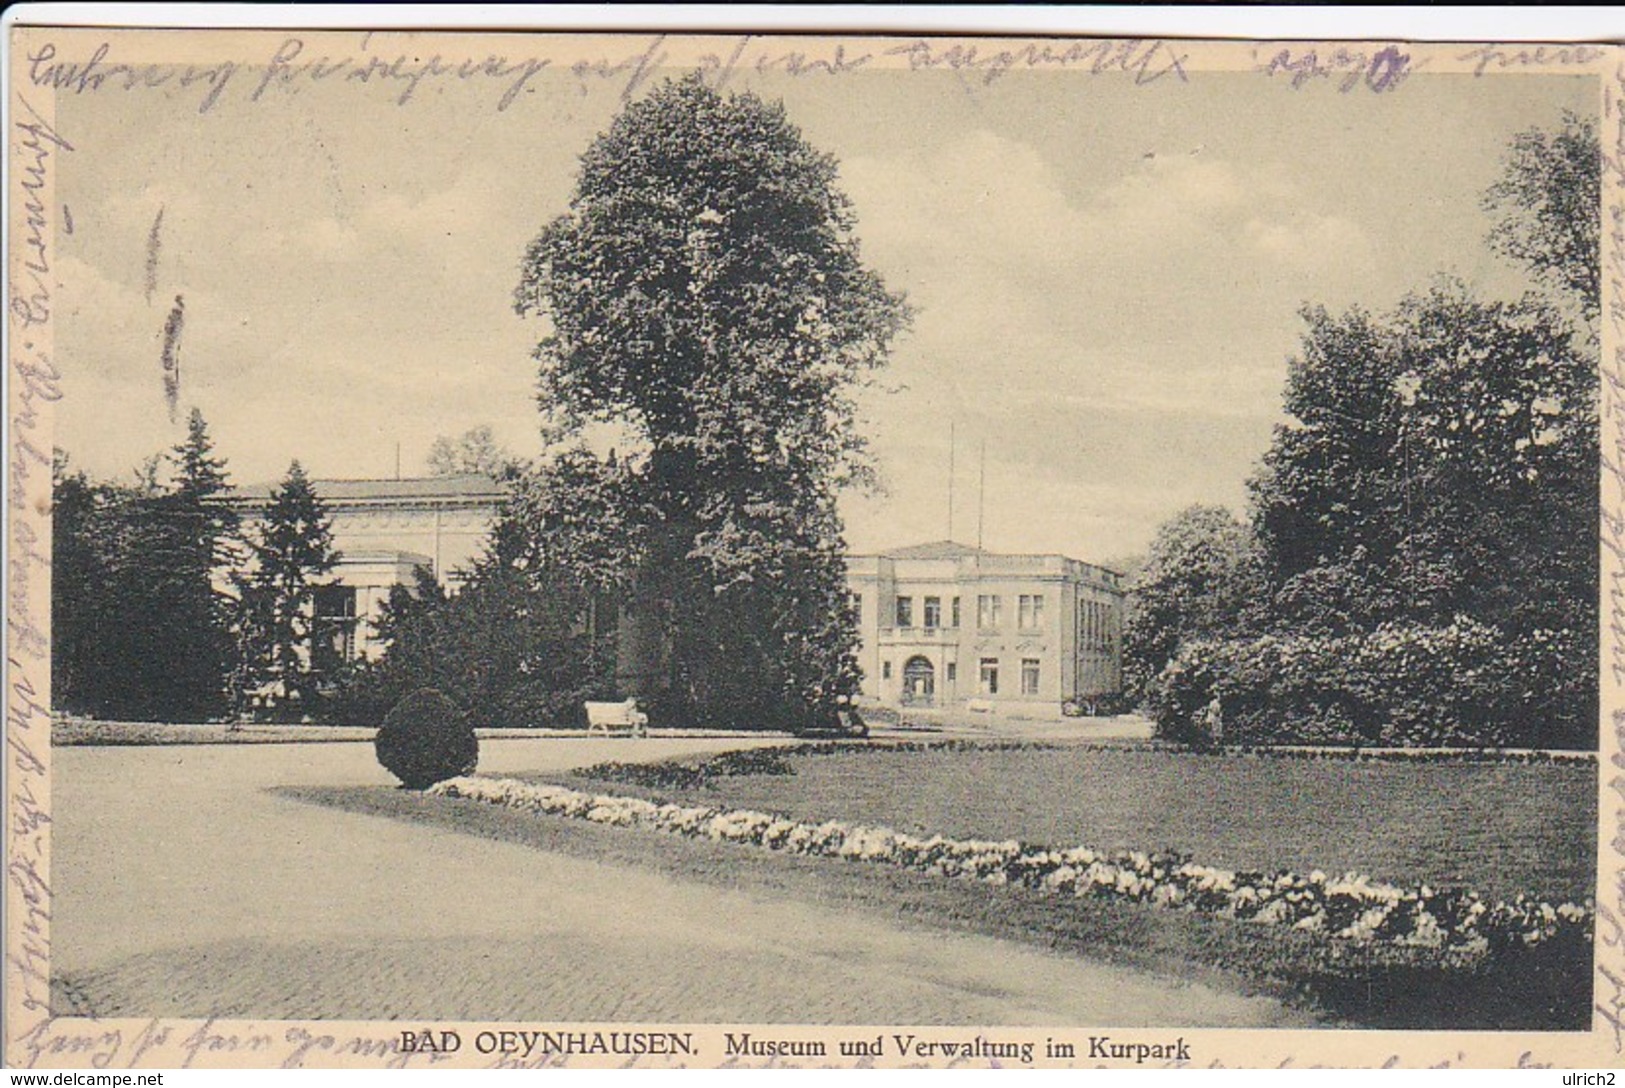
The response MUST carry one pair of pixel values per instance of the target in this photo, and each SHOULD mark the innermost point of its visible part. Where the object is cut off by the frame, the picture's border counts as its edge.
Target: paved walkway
(184, 888)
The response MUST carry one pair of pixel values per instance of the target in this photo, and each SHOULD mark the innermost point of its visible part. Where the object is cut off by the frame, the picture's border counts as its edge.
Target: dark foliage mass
(425, 739)
(139, 629)
(705, 292)
(530, 636)
(287, 661)
(1420, 566)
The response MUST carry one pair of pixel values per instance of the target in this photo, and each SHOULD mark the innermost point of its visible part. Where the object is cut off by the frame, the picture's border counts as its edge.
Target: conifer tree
(201, 535)
(291, 552)
(140, 631)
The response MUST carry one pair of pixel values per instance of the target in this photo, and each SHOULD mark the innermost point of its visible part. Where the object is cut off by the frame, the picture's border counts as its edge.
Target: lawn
(1499, 828)
(73, 732)
(1168, 944)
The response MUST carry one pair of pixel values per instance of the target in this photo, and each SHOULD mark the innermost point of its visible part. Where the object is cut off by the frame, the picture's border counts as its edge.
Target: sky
(1107, 276)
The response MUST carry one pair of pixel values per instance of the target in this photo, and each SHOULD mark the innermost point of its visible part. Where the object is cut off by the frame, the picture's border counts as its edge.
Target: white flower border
(1458, 924)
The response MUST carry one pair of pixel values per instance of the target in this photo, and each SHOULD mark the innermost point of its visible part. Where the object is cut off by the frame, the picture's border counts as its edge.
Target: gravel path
(184, 888)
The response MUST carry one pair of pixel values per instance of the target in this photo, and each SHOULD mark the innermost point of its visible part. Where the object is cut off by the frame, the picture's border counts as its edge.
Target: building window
(905, 611)
(854, 601)
(1030, 611)
(1029, 676)
(933, 612)
(953, 671)
(987, 611)
(990, 676)
(335, 623)
(885, 670)
(1091, 625)
(956, 612)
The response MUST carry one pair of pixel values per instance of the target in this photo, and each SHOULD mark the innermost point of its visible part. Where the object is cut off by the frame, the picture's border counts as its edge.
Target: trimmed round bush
(425, 739)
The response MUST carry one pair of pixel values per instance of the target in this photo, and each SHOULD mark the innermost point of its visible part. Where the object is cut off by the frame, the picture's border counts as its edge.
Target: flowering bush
(1399, 685)
(1454, 926)
(692, 774)
(675, 774)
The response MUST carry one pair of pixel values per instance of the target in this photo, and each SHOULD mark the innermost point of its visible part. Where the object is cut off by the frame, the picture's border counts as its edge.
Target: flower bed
(693, 773)
(1452, 927)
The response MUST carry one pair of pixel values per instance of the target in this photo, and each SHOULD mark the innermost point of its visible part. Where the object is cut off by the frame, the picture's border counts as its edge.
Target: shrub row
(1399, 685)
(1451, 928)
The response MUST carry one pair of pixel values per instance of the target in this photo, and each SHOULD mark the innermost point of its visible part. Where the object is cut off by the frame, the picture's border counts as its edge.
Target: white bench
(979, 706)
(610, 718)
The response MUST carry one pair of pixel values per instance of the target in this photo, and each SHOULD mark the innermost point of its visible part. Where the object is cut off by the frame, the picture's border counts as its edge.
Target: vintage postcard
(537, 550)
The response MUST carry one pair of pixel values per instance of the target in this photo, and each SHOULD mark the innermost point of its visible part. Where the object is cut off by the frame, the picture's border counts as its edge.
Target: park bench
(610, 718)
(979, 706)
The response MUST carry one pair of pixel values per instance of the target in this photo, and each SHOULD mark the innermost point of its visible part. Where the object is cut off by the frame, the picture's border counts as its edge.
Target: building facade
(940, 625)
(384, 530)
(947, 625)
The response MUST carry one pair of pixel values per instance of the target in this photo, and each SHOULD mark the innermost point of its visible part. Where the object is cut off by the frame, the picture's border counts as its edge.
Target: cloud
(1121, 347)
(1311, 242)
(327, 335)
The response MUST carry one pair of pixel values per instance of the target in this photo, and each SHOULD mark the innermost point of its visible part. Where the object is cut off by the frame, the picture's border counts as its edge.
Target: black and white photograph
(642, 549)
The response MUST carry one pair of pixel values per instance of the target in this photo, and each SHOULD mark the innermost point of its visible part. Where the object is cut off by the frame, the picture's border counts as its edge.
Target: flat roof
(470, 486)
(953, 550)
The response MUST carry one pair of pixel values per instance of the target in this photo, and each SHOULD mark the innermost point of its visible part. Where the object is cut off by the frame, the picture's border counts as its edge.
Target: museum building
(949, 625)
(940, 625)
(384, 530)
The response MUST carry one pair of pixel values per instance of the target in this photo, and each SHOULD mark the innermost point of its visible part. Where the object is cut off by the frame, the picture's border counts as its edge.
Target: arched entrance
(919, 682)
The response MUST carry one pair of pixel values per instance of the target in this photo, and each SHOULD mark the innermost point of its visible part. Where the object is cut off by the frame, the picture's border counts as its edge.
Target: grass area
(70, 732)
(1168, 943)
(1499, 828)
(1545, 989)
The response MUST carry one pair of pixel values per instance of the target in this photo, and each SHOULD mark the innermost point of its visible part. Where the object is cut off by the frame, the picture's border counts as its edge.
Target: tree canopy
(283, 663)
(1439, 461)
(140, 629)
(1434, 489)
(705, 291)
(476, 451)
(1548, 203)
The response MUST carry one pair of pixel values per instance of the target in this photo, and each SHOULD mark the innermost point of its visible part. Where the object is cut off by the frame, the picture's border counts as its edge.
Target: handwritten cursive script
(1345, 67)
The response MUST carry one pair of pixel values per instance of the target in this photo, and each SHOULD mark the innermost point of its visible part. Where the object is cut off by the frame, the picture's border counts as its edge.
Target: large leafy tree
(291, 552)
(1547, 204)
(705, 291)
(1439, 461)
(476, 450)
(1442, 459)
(1203, 578)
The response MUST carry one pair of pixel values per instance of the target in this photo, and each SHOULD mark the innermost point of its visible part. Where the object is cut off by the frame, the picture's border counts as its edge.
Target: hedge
(1400, 685)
